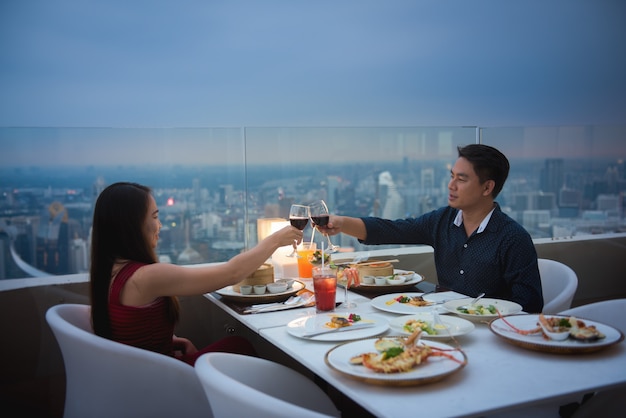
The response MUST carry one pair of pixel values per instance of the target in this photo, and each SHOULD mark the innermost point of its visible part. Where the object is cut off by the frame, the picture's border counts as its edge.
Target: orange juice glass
(305, 269)
(325, 288)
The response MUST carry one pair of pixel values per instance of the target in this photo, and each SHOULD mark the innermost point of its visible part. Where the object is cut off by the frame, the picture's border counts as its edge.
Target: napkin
(305, 300)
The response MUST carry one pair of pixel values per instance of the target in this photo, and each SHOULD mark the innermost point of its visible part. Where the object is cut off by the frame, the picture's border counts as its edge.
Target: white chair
(244, 386)
(610, 312)
(610, 402)
(109, 379)
(559, 283)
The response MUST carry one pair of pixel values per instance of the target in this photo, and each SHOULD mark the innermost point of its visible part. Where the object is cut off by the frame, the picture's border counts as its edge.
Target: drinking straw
(322, 255)
(312, 236)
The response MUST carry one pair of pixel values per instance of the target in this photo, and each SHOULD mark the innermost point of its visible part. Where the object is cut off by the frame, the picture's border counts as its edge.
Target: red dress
(150, 327)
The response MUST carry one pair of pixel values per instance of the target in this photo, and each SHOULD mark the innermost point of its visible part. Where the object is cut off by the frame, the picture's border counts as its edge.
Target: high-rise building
(570, 203)
(52, 245)
(393, 202)
(552, 177)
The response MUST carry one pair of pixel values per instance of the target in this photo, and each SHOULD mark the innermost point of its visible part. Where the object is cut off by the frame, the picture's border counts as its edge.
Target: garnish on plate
(341, 321)
(414, 324)
(478, 310)
(316, 259)
(576, 329)
(401, 354)
(412, 300)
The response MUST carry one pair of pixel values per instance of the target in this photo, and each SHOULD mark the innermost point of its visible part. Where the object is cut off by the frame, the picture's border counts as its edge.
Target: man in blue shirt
(477, 247)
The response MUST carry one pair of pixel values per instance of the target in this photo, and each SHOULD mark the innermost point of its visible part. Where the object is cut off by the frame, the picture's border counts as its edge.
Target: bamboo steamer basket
(263, 275)
(378, 269)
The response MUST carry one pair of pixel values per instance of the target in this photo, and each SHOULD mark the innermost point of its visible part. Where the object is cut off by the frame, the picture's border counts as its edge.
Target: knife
(340, 329)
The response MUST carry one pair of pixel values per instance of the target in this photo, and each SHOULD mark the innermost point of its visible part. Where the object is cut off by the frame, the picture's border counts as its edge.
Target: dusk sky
(199, 63)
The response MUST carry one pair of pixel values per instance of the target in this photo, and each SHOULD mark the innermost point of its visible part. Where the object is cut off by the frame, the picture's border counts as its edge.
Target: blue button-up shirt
(501, 260)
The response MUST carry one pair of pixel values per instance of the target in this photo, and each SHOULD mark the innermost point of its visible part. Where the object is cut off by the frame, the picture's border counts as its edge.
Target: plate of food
(484, 310)
(337, 327)
(229, 293)
(447, 326)
(395, 361)
(406, 303)
(399, 281)
(540, 332)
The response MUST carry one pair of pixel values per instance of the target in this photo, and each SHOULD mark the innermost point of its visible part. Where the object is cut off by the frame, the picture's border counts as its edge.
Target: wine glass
(348, 275)
(299, 218)
(320, 217)
(351, 276)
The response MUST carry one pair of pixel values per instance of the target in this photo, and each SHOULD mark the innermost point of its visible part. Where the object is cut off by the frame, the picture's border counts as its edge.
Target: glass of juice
(305, 268)
(325, 288)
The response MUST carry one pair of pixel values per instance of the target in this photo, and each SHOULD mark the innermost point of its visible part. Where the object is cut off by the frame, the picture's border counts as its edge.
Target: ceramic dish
(387, 303)
(432, 370)
(409, 283)
(505, 307)
(537, 341)
(228, 293)
(454, 326)
(301, 326)
(277, 287)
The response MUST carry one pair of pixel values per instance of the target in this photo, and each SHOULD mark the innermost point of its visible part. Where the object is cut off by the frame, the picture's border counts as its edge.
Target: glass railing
(213, 184)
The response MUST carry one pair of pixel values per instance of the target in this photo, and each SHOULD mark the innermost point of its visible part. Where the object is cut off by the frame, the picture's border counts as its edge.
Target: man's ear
(488, 187)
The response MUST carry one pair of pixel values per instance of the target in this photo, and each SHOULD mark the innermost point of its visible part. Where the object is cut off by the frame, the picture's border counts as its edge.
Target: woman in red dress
(134, 297)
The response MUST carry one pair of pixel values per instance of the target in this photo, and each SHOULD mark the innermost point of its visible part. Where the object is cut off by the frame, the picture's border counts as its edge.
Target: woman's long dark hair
(117, 234)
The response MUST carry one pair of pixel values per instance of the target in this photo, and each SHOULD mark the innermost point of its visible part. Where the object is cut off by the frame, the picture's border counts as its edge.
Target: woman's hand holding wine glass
(298, 217)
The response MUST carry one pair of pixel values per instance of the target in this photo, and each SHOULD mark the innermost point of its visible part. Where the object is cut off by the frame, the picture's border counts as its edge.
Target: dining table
(499, 377)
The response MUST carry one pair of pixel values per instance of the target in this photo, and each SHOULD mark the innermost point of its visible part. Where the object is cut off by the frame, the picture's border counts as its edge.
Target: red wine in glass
(320, 220)
(300, 223)
(320, 216)
(299, 216)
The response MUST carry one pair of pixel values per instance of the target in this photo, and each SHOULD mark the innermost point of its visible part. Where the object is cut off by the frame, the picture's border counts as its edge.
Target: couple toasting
(477, 248)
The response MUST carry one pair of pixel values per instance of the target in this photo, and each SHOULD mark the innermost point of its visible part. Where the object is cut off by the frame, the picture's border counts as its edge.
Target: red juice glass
(325, 288)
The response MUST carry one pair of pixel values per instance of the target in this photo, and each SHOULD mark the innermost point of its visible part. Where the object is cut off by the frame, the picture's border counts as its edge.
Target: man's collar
(458, 220)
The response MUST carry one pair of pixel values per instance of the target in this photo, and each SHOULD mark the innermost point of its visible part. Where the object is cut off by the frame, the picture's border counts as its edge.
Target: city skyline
(206, 217)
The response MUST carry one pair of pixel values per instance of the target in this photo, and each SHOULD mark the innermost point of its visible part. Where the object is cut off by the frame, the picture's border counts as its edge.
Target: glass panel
(389, 172)
(50, 178)
(565, 180)
(212, 184)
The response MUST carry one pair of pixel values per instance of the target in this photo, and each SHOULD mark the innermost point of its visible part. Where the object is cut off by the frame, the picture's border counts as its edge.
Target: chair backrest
(610, 312)
(607, 402)
(109, 379)
(245, 386)
(559, 283)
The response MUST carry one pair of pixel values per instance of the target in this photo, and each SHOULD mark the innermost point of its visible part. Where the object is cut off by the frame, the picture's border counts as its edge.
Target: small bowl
(368, 279)
(556, 336)
(408, 275)
(246, 289)
(395, 280)
(380, 280)
(277, 287)
(259, 289)
(288, 282)
(441, 329)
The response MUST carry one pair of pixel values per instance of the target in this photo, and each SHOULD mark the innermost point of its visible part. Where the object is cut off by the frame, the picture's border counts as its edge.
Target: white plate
(505, 307)
(301, 326)
(228, 293)
(433, 369)
(538, 343)
(408, 284)
(381, 302)
(455, 326)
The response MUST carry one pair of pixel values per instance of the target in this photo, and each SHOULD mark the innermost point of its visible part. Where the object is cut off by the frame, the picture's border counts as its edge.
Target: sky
(198, 63)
